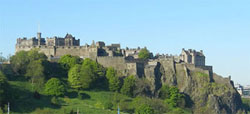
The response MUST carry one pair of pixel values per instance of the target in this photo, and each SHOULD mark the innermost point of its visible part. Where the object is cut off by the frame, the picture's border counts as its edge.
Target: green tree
(128, 86)
(19, 62)
(110, 73)
(35, 72)
(144, 54)
(114, 81)
(3, 88)
(87, 77)
(175, 97)
(97, 69)
(144, 109)
(34, 55)
(54, 87)
(69, 61)
(74, 76)
(164, 92)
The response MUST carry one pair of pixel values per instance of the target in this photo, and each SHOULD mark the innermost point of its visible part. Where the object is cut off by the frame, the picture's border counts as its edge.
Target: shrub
(108, 105)
(144, 54)
(55, 87)
(144, 109)
(55, 101)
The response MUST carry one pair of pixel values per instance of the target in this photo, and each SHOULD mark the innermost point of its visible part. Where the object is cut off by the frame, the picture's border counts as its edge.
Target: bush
(144, 109)
(55, 101)
(144, 54)
(108, 105)
(55, 87)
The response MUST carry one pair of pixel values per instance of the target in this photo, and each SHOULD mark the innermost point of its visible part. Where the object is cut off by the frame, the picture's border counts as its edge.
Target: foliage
(68, 61)
(55, 101)
(87, 76)
(74, 77)
(175, 97)
(144, 54)
(157, 104)
(110, 73)
(144, 109)
(34, 55)
(246, 103)
(108, 105)
(128, 86)
(164, 92)
(35, 72)
(113, 79)
(19, 62)
(99, 105)
(3, 88)
(54, 87)
(30, 64)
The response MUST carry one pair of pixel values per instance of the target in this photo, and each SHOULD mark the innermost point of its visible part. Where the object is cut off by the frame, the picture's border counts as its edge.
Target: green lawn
(91, 103)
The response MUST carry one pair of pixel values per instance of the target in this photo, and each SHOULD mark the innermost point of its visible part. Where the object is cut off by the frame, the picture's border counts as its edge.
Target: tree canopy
(3, 88)
(171, 95)
(113, 79)
(54, 87)
(68, 61)
(21, 60)
(144, 54)
(74, 77)
(128, 86)
(144, 109)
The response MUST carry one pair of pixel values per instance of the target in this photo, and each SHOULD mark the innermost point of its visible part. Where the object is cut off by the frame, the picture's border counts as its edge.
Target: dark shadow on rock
(188, 100)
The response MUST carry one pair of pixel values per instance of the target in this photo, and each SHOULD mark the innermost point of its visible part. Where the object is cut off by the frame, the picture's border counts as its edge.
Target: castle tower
(39, 34)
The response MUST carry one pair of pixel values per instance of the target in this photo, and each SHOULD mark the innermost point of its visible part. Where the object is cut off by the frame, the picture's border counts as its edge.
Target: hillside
(32, 84)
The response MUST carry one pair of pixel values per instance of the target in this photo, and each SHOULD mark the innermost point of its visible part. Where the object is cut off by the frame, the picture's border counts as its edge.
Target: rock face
(209, 92)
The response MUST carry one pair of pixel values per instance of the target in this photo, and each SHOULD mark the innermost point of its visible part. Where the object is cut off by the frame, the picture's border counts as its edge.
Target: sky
(221, 28)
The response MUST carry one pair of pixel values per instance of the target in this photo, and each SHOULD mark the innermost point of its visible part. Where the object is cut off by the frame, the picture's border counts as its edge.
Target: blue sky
(221, 28)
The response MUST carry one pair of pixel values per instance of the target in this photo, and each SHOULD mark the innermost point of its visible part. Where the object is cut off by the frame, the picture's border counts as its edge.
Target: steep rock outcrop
(210, 93)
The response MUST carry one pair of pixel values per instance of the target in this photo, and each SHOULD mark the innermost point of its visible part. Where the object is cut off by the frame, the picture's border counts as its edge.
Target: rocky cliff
(209, 93)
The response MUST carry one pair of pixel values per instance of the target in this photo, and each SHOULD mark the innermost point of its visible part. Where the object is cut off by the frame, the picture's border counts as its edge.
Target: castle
(126, 61)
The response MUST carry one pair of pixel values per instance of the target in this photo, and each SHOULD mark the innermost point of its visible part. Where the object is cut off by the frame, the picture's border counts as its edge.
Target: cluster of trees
(53, 78)
(80, 74)
(31, 65)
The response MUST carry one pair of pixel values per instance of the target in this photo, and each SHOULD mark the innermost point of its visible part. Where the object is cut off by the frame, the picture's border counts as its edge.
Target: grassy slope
(25, 103)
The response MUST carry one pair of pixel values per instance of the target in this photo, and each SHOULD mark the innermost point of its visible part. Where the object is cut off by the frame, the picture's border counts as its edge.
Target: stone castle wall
(57, 51)
(117, 63)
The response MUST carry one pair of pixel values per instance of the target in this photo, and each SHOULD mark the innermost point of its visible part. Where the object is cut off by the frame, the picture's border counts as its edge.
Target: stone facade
(193, 57)
(125, 61)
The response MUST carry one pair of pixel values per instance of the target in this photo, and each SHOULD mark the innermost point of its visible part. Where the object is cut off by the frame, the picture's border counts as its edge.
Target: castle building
(193, 57)
(124, 60)
(55, 47)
